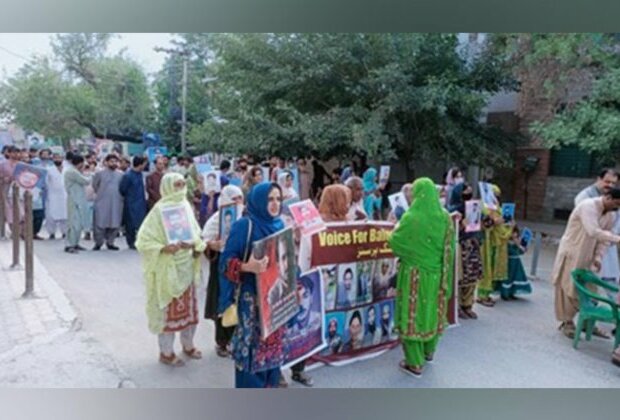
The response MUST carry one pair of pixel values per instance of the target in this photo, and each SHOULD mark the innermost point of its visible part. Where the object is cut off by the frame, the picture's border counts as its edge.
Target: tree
(86, 92)
(168, 84)
(410, 96)
(576, 77)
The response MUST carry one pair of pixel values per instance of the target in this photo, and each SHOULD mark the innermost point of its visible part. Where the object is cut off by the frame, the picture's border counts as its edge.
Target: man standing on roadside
(153, 181)
(132, 190)
(108, 204)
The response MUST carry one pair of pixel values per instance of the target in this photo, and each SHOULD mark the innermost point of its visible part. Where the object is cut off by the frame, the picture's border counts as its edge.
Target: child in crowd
(517, 282)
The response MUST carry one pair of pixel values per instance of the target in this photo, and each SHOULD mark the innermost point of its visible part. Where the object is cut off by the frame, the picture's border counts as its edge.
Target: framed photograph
(277, 286)
(473, 216)
(228, 216)
(212, 182)
(526, 237)
(487, 195)
(398, 200)
(384, 175)
(508, 212)
(177, 224)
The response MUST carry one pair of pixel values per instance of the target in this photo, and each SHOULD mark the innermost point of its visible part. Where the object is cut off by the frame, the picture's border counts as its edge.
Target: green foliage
(410, 96)
(87, 92)
(564, 64)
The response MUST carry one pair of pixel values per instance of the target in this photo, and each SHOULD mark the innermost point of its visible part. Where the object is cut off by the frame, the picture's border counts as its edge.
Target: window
(570, 161)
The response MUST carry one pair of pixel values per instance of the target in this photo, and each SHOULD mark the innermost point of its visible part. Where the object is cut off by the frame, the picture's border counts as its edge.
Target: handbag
(230, 317)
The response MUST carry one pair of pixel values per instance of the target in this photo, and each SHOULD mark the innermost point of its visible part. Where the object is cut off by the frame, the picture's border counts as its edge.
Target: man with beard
(382, 287)
(77, 206)
(108, 204)
(56, 201)
(153, 181)
(386, 323)
(373, 334)
(334, 340)
(134, 208)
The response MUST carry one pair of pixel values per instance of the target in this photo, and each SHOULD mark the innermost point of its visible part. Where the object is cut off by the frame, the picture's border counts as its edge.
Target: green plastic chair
(589, 312)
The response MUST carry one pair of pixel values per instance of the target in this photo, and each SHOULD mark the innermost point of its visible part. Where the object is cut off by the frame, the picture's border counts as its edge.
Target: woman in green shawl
(171, 273)
(424, 242)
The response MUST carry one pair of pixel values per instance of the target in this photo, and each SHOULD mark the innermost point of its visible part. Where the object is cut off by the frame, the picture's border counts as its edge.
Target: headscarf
(335, 203)
(423, 231)
(164, 274)
(287, 192)
(211, 230)
(370, 184)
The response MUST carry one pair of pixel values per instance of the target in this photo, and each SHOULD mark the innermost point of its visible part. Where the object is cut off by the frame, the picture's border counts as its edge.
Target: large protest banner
(359, 274)
(358, 270)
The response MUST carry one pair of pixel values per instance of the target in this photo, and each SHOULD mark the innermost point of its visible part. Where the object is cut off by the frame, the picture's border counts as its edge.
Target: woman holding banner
(424, 242)
(257, 361)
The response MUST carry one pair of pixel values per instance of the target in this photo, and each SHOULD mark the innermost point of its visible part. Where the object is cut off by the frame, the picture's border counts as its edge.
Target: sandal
(414, 371)
(222, 351)
(302, 378)
(429, 358)
(463, 314)
(471, 313)
(171, 360)
(283, 383)
(597, 332)
(193, 353)
(488, 302)
(568, 329)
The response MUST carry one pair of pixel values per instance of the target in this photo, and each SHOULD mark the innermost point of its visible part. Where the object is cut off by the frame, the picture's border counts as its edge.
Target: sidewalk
(41, 342)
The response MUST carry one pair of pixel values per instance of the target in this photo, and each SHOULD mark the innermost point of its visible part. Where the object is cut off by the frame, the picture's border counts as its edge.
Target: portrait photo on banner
(177, 225)
(277, 286)
(347, 286)
(329, 273)
(305, 333)
(384, 279)
(334, 333)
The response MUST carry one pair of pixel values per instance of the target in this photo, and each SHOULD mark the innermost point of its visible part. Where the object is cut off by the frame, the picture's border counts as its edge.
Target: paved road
(515, 344)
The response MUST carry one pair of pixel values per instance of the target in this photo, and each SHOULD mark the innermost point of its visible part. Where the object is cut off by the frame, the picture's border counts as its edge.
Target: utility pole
(184, 54)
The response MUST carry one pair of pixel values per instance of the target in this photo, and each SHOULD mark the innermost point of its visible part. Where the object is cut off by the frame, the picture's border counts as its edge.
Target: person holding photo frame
(230, 196)
(172, 272)
(257, 360)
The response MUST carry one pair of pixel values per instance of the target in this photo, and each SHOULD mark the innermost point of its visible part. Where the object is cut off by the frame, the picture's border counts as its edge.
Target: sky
(22, 46)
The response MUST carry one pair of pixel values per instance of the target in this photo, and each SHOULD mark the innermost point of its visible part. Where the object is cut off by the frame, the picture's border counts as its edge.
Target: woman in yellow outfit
(497, 234)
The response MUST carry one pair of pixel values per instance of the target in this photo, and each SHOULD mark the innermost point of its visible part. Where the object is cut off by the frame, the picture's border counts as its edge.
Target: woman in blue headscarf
(257, 361)
(372, 194)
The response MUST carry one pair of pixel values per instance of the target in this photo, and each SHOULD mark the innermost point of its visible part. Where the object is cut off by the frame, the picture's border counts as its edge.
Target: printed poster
(526, 237)
(177, 224)
(473, 216)
(384, 175)
(203, 164)
(29, 176)
(487, 195)
(277, 286)
(508, 212)
(398, 200)
(359, 272)
(228, 215)
(307, 217)
(305, 334)
(212, 182)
